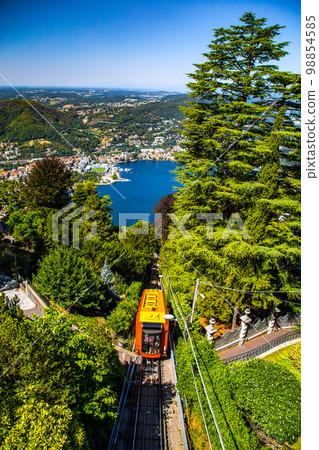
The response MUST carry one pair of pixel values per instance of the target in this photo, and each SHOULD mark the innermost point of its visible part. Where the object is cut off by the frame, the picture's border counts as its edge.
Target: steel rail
(146, 385)
(148, 432)
(124, 403)
(127, 434)
(137, 408)
(121, 406)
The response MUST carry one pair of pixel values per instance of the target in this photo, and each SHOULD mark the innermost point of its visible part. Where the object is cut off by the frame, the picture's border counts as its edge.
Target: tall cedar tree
(242, 140)
(48, 184)
(164, 206)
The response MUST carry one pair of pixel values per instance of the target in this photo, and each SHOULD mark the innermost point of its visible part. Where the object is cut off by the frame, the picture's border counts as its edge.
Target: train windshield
(151, 338)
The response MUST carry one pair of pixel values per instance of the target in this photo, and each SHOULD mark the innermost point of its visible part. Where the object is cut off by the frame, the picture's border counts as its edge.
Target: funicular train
(151, 329)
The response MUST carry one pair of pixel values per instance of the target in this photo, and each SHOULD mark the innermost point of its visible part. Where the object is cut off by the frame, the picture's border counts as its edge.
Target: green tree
(32, 228)
(137, 250)
(164, 207)
(86, 194)
(108, 278)
(121, 319)
(59, 384)
(48, 184)
(64, 277)
(242, 162)
(10, 197)
(43, 426)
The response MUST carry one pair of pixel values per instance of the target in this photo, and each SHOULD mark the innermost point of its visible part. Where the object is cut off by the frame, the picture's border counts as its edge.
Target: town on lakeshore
(95, 130)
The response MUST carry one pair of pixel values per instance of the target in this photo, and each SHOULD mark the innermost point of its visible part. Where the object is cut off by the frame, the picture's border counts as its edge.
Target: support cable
(199, 400)
(201, 408)
(199, 370)
(251, 292)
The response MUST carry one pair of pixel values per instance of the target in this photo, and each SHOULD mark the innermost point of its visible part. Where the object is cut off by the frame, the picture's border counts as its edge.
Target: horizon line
(93, 88)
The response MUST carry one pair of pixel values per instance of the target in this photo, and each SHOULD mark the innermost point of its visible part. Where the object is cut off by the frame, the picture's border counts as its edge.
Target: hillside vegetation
(22, 121)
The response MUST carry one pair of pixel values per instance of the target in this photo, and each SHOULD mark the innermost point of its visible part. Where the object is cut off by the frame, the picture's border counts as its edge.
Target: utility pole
(194, 300)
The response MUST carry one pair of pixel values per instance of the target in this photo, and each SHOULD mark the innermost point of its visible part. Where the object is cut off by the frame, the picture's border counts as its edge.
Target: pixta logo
(234, 226)
(85, 215)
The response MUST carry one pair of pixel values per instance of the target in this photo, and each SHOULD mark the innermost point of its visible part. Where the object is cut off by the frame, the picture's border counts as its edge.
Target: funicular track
(148, 423)
(139, 424)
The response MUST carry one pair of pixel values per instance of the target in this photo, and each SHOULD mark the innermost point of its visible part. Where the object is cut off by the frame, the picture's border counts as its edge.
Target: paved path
(252, 344)
(25, 303)
(170, 412)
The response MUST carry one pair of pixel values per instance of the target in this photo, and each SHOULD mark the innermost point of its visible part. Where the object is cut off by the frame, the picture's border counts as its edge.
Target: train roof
(152, 307)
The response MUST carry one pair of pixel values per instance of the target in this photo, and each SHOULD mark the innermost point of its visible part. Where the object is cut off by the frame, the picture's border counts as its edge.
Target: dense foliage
(294, 356)
(23, 121)
(33, 228)
(270, 397)
(64, 277)
(87, 196)
(62, 390)
(217, 379)
(10, 197)
(121, 319)
(133, 252)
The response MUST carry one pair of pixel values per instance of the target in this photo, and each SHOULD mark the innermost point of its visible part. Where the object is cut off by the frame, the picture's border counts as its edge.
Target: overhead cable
(199, 370)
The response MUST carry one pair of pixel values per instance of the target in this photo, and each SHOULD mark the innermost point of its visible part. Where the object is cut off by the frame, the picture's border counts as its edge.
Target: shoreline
(112, 181)
(127, 179)
(137, 160)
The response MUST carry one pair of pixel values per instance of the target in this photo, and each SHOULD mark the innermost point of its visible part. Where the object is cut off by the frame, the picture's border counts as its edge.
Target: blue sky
(133, 44)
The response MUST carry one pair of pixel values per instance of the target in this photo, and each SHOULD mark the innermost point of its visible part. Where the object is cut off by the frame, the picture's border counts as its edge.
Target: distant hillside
(20, 122)
(167, 108)
(150, 113)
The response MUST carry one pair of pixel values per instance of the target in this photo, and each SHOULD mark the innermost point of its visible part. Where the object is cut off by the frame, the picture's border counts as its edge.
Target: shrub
(217, 379)
(121, 318)
(270, 396)
(294, 355)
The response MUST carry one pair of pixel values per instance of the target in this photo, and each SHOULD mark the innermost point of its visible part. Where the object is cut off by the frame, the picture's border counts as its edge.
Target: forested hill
(20, 121)
(168, 108)
(150, 113)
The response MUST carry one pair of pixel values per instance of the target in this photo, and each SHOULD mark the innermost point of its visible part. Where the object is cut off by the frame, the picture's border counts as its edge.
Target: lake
(149, 181)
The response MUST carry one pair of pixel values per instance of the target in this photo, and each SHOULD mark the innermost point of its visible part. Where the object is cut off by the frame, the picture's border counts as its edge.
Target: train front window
(151, 340)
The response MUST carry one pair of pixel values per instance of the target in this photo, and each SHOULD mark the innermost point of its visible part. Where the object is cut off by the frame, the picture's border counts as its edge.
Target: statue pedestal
(245, 322)
(211, 330)
(272, 320)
